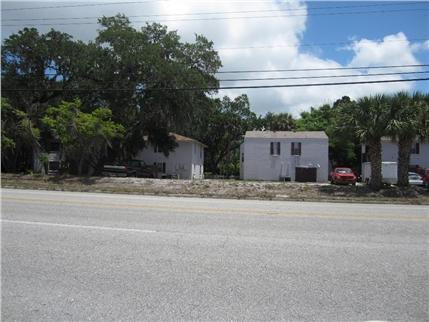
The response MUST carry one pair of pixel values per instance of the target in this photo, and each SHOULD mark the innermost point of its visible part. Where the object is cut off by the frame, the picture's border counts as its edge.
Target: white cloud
(420, 46)
(284, 34)
(392, 50)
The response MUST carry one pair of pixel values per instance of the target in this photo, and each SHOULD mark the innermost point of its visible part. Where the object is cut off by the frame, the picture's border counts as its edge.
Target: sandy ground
(220, 188)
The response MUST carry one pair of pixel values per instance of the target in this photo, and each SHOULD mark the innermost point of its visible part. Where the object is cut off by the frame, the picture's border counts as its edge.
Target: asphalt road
(87, 256)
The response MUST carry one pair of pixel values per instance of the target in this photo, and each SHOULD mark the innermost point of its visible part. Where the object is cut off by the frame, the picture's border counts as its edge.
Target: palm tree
(423, 117)
(368, 118)
(405, 126)
(278, 122)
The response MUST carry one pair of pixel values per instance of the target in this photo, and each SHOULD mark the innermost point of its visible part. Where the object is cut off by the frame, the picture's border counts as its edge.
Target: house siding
(197, 161)
(184, 162)
(259, 164)
(390, 153)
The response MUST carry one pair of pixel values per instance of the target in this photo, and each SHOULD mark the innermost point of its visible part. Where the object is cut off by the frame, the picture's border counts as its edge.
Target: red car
(343, 176)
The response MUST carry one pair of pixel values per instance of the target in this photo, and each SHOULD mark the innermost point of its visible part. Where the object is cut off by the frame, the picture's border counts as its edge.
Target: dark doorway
(305, 174)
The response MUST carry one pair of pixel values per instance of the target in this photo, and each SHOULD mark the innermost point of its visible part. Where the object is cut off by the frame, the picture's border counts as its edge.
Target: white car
(415, 179)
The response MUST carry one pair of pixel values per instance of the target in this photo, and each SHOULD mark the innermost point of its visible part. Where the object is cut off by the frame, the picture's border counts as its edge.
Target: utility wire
(322, 76)
(152, 1)
(219, 88)
(317, 69)
(220, 12)
(82, 5)
(327, 44)
(225, 18)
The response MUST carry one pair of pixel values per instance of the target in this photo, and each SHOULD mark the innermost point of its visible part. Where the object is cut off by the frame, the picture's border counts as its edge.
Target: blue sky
(374, 39)
(322, 29)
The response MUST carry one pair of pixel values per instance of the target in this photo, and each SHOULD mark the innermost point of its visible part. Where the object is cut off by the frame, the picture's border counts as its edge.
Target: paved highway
(86, 256)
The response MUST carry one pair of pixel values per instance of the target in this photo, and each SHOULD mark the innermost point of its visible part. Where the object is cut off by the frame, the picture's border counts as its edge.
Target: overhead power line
(225, 18)
(216, 12)
(322, 69)
(326, 44)
(321, 76)
(231, 1)
(81, 5)
(218, 88)
(318, 69)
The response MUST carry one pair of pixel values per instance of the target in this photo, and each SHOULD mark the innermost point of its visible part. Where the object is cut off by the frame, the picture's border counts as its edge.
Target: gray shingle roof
(286, 135)
(180, 138)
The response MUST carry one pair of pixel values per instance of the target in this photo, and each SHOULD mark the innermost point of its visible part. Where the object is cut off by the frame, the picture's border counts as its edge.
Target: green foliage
(27, 57)
(222, 131)
(408, 116)
(317, 119)
(8, 125)
(141, 83)
(154, 64)
(343, 145)
(423, 116)
(83, 136)
(277, 122)
(19, 136)
(408, 120)
(136, 73)
(368, 119)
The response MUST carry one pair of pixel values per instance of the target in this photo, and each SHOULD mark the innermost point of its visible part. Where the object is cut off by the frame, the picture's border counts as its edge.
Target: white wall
(197, 161)
(260, 165)
(185, 161)
(390, 153)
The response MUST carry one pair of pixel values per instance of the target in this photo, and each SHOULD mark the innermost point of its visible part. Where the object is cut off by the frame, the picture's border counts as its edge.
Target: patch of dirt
(221, 188)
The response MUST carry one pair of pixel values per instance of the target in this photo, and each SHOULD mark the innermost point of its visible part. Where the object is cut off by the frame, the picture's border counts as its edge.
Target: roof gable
(180, 138)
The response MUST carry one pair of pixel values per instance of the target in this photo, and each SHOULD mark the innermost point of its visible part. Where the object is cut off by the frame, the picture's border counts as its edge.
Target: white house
(389, 152)
(185, 162)
(285, 155)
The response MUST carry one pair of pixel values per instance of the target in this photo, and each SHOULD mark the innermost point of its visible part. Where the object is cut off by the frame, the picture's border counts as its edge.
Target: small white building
(185, 162)
(389, 152)
(285, 155)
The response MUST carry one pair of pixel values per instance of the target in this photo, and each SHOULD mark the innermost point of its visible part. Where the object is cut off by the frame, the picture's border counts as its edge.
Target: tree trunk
(80, 167)
(375, 155)
(404, 151)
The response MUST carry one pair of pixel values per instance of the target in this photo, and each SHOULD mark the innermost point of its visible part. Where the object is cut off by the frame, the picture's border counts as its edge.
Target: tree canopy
(222, 131)
(150, 80)
(84, 136)
(102, 98)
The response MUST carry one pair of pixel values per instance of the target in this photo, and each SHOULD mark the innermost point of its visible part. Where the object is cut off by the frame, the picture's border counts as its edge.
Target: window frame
(275, 148)
(415, 148)
(296, 148)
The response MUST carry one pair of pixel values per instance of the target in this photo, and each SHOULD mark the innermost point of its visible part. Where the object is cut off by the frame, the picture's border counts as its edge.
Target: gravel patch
(216, 188)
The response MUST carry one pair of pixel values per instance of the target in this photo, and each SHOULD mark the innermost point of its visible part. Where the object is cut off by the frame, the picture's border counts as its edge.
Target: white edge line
(38, 223)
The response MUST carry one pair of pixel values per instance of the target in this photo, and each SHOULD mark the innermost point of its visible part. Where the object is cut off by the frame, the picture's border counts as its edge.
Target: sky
(270, 35)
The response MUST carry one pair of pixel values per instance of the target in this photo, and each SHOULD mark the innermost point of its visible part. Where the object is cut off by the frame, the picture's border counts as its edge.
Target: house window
(415, 148)
(156, 149)
(161, 166)
(275, 148)
(295, 148)
(242, 157)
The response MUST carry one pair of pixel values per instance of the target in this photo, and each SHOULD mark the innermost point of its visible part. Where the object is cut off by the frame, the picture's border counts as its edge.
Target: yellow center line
(245, 211)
